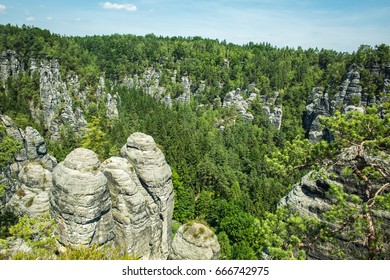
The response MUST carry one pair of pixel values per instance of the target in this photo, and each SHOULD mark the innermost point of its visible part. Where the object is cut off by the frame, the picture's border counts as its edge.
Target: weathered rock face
(350, 92)
(318, 106)
(195, 241)
(349, 97)
(80, 201)
(310, 198)
(186, 96)
(32, 194)
(234, 98)
(33, 145)
(127, 200)
(112, 106)
(150, 83)
(33, 157)
(10, 65)
(138, 225)
(57, 104)
(275, 117)
(156, 178)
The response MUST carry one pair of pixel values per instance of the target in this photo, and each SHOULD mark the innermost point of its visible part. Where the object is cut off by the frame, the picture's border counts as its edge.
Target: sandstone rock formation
(138, 225)
(186, 96)
(349, 97)
(33, 145)
(150, 83)
(156, 178)
(28, 177)
(125, 200)
(112, 106)
(80, 201)
(310, 198)
(31, 197)
(57, 104)
(10, 65)
(195, 241)
(318, 106)
(234, 98)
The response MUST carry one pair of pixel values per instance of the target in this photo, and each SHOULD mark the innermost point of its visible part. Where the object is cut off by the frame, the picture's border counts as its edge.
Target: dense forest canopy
(232, 178)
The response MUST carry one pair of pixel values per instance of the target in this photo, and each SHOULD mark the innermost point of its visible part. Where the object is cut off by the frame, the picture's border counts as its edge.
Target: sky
(341, 25)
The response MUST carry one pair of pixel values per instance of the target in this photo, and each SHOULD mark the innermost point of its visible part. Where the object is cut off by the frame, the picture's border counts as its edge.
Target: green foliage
(68, 142)
(94, 252)
(238, 226)
(184, 200)
(175, 227)
(226, 247)
(228, 177)
(243, 251)
(38, 234)
(356, 128)
(7, 219)
(282, 235)
(351, 217)
(202, 204)
(8, 147)
(95, 138)
(3, 187)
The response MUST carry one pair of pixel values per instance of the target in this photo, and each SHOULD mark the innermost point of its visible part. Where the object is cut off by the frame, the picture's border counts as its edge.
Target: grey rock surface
(318, 106)
(234, 98)
(138, 226)
(31, 197)
(57, 104)
(349, 97)
(112, 106)
(155, 176)
(80, 201)
(10, 65)
(125, 200)
(195, 241)
(310, 198)
(33, 151)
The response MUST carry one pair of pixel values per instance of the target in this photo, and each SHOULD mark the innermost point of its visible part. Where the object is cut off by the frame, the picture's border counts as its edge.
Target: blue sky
(331, 24)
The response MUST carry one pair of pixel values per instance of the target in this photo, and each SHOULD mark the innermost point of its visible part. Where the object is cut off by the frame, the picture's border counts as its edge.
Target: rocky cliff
(10, 65)
(28, 177)
(125, 201)
(271, 109)
(56, 98)
(61, 100)
(349, 97)
(310, 198)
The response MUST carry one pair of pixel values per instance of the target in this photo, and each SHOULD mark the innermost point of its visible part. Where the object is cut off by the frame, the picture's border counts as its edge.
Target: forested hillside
(235, 124)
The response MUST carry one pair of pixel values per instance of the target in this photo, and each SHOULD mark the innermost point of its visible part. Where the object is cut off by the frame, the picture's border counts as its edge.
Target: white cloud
(2, 8)
(30, 19)
(49, 18)
(116, 6)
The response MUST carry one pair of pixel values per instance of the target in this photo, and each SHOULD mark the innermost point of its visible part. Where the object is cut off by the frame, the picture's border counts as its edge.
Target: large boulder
(80, 201)
(195, 241)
